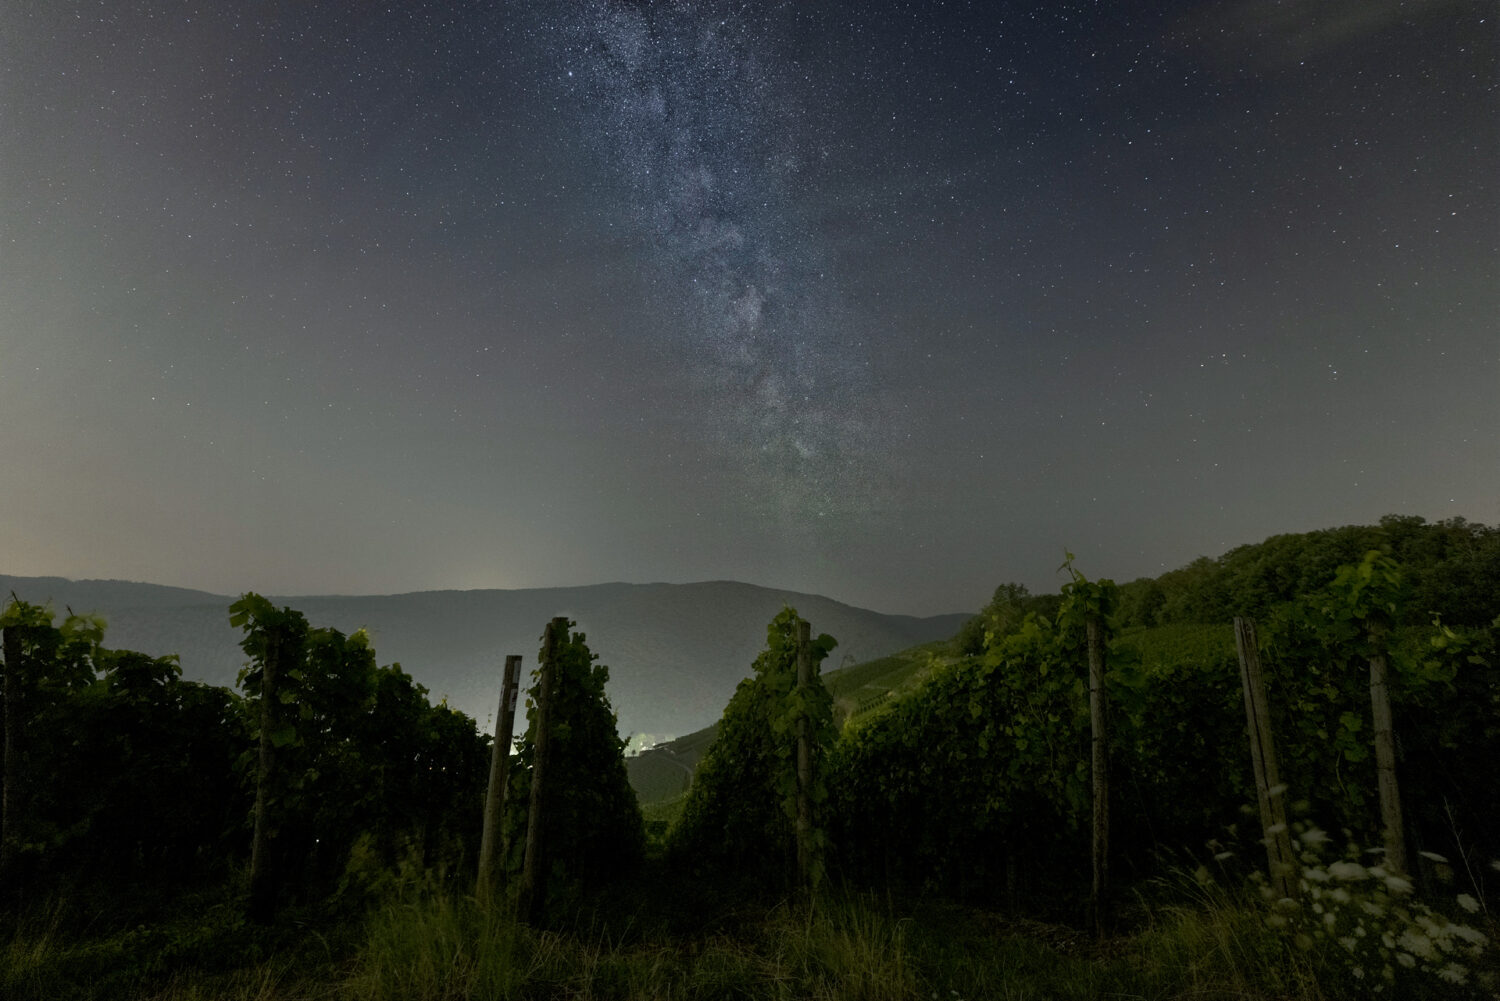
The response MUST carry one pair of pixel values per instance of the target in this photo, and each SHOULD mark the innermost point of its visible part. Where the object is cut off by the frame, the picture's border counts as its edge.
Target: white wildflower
(1454, 974)
(1397, 884)
(1417, 944)
(1346, 870)
(1471, 935)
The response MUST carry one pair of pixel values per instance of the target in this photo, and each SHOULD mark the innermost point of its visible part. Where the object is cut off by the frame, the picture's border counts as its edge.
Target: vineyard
(1267, 775)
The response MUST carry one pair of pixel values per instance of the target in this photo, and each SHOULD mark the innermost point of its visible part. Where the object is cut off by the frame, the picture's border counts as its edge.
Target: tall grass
(440, 947)
(840, 948)
(1191, 940)
(443, 948)
(1203, 940)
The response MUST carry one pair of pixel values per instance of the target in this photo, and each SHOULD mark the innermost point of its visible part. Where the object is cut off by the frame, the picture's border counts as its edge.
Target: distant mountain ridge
(675, 651)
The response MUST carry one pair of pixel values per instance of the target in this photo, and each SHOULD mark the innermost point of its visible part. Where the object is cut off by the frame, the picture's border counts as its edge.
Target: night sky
(890, 301)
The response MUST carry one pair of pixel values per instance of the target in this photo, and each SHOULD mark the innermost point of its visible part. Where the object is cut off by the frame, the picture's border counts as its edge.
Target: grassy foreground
(847, 948)
(425, 943)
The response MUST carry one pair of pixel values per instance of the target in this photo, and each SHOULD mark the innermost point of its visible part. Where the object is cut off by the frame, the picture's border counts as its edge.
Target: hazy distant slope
(675, 651)
(151, 618)
(662, 772)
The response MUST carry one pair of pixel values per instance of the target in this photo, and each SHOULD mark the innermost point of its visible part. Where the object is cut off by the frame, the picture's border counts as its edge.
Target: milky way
(687, 106)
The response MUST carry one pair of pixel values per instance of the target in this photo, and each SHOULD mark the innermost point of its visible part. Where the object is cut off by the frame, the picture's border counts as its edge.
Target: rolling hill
(675, 651)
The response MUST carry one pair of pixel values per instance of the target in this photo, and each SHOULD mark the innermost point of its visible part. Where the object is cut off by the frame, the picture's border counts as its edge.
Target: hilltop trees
(1003, 615)
(1453, 567)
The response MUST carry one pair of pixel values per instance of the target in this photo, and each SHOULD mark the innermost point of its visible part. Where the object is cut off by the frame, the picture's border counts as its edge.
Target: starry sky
(887, 300)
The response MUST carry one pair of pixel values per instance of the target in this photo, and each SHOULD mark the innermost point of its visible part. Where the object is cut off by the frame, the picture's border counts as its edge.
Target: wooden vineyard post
(1098, 900)
(533, 871)
(1280, 862)
(494, 800)
(804, 759)
(262, 867)
(1385, 761)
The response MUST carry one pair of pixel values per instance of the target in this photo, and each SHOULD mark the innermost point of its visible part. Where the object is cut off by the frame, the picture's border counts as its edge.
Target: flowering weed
(1362, 926)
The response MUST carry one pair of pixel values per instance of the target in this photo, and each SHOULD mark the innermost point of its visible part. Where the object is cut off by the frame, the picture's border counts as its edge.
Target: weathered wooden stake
(1280, 862)
(1385, 763)
(263, 883)
(533, 897)
(494, 800)
(1099, 899)
(804, 759)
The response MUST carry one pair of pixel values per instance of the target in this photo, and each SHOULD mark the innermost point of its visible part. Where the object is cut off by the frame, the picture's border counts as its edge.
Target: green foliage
(1083, 600)
(124, 769)
(985, 769)
(55, 660)
(985, 765)
(1003, 615)
(740, 812)
(1445, 693)
(1178, 750)
(1449, 729)
(360, 749)
(1317, 654)
(594, 829)
(972, 778)
(148, 780)
(1363, 602)
(1452, 567)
